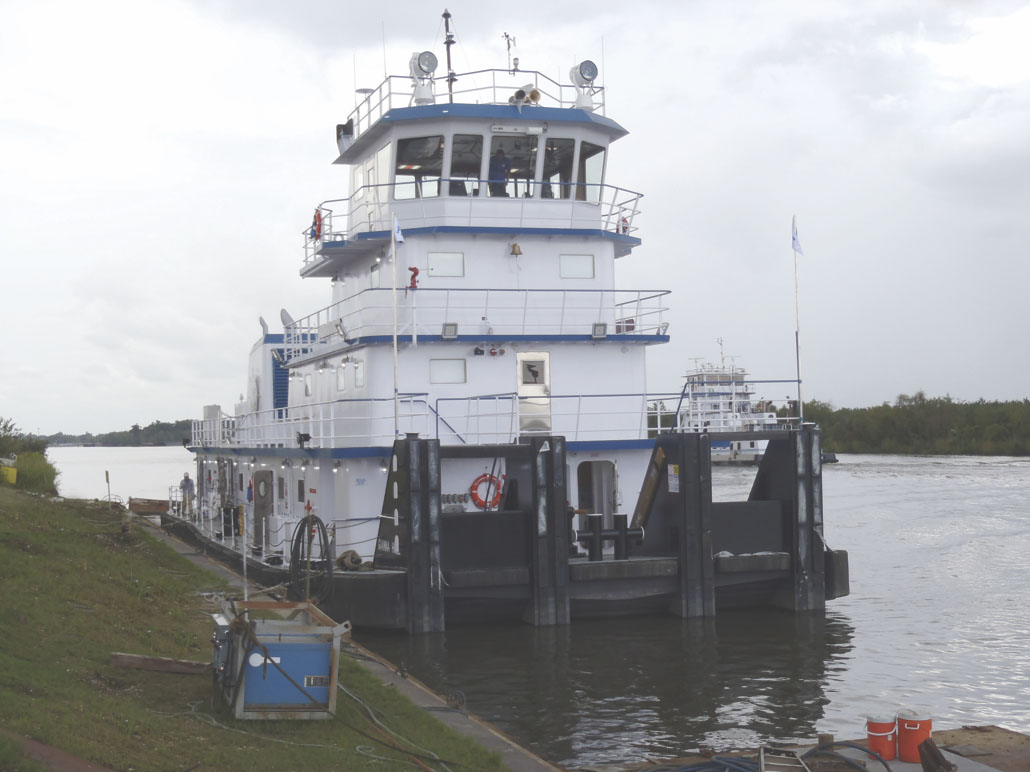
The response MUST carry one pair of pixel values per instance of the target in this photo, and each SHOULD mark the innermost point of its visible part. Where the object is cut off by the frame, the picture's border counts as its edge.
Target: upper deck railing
(491, 312)
(487, 418)
(371, 209)
(476, 87)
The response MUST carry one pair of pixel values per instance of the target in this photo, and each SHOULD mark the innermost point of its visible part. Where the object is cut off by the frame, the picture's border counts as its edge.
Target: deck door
(534, 392)
(263, 503)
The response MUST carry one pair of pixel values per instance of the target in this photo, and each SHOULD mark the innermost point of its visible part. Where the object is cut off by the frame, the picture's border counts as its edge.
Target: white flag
(397, 233)
(794, 236)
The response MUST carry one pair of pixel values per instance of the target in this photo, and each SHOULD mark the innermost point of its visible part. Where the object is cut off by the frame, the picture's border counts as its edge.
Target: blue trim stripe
(510, 114)
(384, 451)
(372, 340)
(378, 236)
(528, 114)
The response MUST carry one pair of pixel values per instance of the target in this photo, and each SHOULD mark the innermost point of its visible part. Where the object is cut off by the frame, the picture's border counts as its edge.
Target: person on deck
(500, 168)
(186, 486)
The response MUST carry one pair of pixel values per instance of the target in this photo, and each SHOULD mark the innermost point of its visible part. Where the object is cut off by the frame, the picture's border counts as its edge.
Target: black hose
(856, 746)
(315, 583)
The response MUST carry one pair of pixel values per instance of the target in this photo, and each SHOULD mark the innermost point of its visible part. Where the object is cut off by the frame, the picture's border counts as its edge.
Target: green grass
(13, 760)
(75, 589)
(36, 474)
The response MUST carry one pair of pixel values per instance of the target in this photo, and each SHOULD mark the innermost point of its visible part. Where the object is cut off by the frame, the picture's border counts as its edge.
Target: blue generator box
(281, 664)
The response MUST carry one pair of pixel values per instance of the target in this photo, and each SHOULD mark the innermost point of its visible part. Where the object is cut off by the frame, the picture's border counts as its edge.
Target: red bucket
(914, 726)
(882, 735)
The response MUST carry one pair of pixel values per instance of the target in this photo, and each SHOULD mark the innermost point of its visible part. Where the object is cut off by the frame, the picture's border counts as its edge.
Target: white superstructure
(470, 275)
(720, 399)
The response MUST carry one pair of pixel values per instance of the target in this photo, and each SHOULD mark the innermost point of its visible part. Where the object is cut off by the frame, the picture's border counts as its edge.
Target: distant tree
(919, 424)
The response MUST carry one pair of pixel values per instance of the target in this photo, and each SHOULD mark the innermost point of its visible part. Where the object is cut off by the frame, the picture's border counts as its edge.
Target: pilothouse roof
(512, 98)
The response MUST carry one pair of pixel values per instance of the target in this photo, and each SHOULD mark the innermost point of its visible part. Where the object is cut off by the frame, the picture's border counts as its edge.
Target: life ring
(492, 482)
(316, 225)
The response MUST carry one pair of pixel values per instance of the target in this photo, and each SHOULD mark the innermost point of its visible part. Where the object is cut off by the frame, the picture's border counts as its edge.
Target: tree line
(922, 425)
(157, 433)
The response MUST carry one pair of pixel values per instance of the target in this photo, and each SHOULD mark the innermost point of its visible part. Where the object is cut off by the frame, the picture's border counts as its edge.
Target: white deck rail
(371, 209)
(478, 312)
(489, 86)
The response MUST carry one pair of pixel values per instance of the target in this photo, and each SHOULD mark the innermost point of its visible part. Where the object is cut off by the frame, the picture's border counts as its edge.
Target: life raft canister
(493, 484)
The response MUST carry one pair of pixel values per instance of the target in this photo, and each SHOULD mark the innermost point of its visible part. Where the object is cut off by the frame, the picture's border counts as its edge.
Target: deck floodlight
(449, 331)
(583, 76)
(422, 66)
(584, 73)
(599, 331)
(427, 62)
(340, 329)
(303, 438)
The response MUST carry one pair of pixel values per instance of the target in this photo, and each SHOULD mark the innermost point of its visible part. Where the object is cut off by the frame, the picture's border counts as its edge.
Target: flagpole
(396, 397)
(795, 244)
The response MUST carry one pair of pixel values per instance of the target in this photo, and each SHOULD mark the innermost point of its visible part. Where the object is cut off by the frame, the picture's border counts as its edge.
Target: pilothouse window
(466, 165)
(558, 168)
(591, 172)
(512, 166)
(419, 167)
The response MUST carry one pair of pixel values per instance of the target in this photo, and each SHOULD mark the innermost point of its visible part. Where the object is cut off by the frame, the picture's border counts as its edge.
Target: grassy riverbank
(75, 590)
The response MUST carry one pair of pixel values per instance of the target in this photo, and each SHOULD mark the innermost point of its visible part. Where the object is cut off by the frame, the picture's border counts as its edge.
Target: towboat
(719, 398)
(469, 408)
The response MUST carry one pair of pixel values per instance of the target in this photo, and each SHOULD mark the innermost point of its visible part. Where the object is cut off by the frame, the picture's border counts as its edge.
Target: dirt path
(54, 758)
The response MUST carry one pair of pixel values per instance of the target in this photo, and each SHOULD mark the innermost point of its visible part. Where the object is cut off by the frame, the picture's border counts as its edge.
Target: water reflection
(621, 689)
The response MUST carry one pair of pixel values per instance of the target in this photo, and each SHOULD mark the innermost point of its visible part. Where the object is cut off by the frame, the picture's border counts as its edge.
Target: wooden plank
(162, 664)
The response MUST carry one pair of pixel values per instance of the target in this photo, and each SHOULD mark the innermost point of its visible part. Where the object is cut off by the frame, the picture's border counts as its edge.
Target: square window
(534, 372)
(576, 266)
(446, 263)
(447, 371)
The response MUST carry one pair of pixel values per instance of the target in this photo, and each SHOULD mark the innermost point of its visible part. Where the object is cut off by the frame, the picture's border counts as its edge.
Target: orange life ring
(491, 481)
(316, 225)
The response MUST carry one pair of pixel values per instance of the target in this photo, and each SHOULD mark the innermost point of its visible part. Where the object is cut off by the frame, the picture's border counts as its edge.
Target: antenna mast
(448, 41)
(510, 41)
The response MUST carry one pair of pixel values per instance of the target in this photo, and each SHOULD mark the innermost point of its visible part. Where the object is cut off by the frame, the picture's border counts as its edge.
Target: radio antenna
(510, 41)
(448, 41)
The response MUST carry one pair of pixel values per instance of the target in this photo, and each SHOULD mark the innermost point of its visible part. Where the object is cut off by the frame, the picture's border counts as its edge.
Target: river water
(938, 619)
(142, 472)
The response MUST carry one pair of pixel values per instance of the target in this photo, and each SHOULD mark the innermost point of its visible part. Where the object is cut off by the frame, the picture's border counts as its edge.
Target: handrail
(385, 96)
(371, 209)
(486, 417)
(478, 311)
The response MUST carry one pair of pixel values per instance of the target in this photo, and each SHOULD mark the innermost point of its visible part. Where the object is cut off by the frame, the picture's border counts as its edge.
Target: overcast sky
(159, 159)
